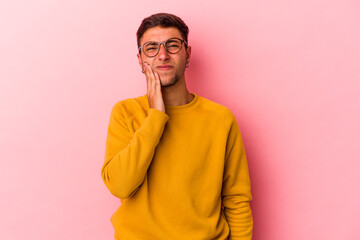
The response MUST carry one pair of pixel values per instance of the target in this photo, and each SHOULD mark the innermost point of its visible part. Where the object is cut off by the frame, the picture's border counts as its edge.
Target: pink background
(289, 70)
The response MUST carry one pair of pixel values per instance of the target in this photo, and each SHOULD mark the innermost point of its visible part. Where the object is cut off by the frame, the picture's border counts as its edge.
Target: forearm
(239, 218)
(126, 166)
(236, 192)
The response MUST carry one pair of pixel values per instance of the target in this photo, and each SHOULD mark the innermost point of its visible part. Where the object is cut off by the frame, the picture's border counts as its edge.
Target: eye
(173, 43)
(150, 48)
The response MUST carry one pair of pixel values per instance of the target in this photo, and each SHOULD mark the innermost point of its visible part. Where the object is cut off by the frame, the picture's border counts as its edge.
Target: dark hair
(163, 20)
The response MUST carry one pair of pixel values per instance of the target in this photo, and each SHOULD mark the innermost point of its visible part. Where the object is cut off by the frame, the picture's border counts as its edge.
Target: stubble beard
(173, 81)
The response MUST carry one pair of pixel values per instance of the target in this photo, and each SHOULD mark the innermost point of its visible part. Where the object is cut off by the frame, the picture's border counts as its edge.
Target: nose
(163, 54)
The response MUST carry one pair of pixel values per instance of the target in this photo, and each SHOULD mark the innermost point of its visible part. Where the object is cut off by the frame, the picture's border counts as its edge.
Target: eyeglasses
(172, 45)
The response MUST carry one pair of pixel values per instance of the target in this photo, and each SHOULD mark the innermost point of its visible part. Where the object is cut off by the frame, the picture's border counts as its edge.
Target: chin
(169, 82)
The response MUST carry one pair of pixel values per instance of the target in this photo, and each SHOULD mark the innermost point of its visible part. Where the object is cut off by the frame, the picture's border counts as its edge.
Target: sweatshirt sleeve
(236, 190)
(127, 158)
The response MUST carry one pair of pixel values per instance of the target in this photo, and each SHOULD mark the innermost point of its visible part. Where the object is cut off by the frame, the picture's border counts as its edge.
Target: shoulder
(220, 111)
(130, 106)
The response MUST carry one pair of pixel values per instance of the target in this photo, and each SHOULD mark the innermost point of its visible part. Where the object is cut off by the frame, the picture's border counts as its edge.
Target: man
(175, 159)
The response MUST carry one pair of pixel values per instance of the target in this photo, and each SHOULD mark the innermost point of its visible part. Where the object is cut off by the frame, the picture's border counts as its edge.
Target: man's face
(170, 67)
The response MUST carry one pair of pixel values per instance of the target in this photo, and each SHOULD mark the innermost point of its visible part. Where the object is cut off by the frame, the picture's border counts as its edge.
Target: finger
(144, 64)
(152, 76)
(148, 78)
(157, 79)
(143, 67)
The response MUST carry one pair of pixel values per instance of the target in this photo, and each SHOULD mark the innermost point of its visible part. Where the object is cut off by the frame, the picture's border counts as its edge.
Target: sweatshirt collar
(181, 108)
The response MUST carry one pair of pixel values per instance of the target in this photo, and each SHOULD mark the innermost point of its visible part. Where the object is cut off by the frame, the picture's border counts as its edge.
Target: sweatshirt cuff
(154, 123)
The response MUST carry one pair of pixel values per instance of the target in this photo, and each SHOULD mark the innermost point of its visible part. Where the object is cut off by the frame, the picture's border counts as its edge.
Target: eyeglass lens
(171, 45)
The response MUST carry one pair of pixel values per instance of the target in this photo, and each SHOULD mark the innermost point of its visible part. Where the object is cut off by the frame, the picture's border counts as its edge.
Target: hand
(154, 93)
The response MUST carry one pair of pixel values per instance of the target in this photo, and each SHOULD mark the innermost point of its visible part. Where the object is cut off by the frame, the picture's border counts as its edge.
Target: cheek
(147, 60)
(181, 67)
(182, 63)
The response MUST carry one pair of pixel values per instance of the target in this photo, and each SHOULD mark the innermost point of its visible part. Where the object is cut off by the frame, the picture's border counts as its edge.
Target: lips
(164, 67)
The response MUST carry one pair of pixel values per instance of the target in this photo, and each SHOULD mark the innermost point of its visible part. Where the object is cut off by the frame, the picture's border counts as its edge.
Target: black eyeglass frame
(164, 43)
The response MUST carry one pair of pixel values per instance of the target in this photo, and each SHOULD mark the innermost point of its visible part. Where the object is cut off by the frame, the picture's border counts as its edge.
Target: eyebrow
(151, 42)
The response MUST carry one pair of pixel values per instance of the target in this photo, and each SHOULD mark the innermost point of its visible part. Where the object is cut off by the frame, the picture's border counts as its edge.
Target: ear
(140, 61)
(188, 54)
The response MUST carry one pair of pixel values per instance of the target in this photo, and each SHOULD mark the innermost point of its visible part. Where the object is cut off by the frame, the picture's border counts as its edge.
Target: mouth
(164, 67)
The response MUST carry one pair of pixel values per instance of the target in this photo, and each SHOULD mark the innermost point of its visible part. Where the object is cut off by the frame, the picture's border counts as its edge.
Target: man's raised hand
(154, 93)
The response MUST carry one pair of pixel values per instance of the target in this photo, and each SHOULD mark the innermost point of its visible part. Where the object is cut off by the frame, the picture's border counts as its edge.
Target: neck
(177, 94)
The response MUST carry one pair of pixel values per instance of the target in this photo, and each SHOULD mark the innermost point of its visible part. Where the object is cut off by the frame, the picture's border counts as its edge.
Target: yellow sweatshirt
(174, 171)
